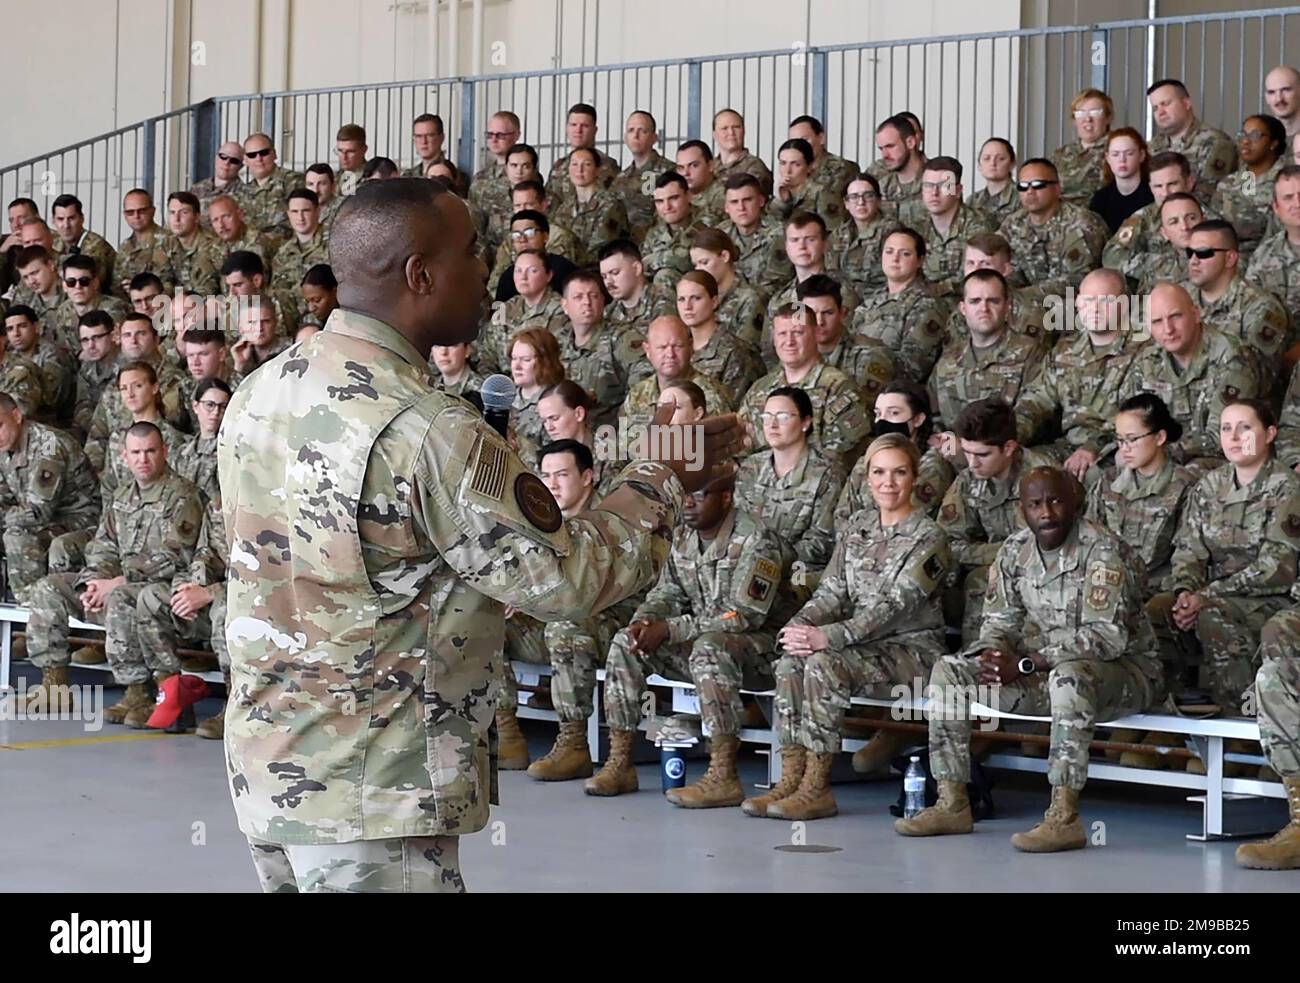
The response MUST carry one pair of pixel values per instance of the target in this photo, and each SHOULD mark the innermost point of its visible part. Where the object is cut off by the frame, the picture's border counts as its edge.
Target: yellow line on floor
(79, 741)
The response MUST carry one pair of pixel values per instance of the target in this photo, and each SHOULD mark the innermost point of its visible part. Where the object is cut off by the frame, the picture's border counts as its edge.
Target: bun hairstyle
(1155, 415)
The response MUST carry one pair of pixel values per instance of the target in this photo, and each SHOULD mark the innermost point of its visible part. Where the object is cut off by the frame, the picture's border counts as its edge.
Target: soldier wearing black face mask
(902, 407)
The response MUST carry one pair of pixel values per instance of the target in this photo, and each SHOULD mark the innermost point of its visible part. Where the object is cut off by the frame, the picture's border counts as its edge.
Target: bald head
(1050, 500)
(1282, 93)
(669, 347)
(1174, 321)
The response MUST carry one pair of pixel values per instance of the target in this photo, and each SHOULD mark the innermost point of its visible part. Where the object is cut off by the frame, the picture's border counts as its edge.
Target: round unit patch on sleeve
(537, 503)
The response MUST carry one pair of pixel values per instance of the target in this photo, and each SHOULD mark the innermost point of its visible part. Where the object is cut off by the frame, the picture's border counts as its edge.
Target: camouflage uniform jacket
(909, 323)
(252, 241)
(1252, 316)
(558, 186)
(1058, 253)
(965, 373)
(997, 207)
(979, 513)
(559, 242)
(667, 249)
(600, 219)
(834, 172)
(741, 312)
(813, 197)
(197, 267)
(728, 584)
(142, 254)
(423, 527)
(841, 423)
(1080, 170)
(1143, 512)
(1276, 267)
(1218, 373)
(1287, 445)
(643, 397)
(23, 379)
(864, 360)
(602, 365)
(933, 478)
(196, 461)
(1080, 388)
(881, 582)
(60, 324)
(730, 361)
(711, 203)
(854, 255)
(116, 474)
(46, 481)
(798, 507)
(945, 252)
(639, 315)
(1211, 153)
(1239, 542)
(212, 555)
(746, 163)
(92, 379)
(635, 186)
(207, 189)
(264, 202)
(145, 534)
(763, 261)
(508, 320)
(294, 259)
(470, 381)
(1087, 605)
(1246, 200)
(95, 246)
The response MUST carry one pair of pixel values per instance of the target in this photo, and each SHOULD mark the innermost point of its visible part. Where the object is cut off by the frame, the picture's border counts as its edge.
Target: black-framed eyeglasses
(91, 339)
(1204, 252)
(78, 281)
(212, 406)
(1251, 135)
(861, 196)
(498, 134)
(228, 159)
(1037, 184)
(1130, 441)
(255, 154)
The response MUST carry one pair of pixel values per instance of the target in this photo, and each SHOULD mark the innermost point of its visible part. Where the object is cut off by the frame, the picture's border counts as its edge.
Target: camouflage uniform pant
(55, 599)
(577, 649)
(719, 663)
(1277, 692)
(1224, 642)
(159, 629)
(1077, 694)
(974, 587)
(68, 551)
(525, 642)
(27, 554)
(406, 865)
(813, 693)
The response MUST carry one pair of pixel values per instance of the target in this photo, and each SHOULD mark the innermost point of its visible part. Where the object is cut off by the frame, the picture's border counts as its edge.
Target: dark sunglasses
(254, 154)
(77, 281)
(231, 160)
(1037, 184)
(1205, 252)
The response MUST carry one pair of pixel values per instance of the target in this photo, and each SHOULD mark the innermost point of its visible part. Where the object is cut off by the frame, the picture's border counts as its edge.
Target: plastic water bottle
(913, 788)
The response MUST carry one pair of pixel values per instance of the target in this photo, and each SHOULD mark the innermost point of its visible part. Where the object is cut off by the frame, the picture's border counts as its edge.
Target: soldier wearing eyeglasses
(225, 177)
(854, 254)
(81, 285)
(265, 194)
(1079, 162)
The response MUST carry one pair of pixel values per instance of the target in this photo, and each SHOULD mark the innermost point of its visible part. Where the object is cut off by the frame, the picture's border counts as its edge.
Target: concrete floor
(121, 810)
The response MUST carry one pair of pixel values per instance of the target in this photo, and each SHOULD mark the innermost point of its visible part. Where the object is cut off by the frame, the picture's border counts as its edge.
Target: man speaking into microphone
(377, 527)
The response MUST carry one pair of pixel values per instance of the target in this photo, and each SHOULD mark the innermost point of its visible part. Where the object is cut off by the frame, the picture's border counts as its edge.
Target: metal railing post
(204, 136)
(819, 97)
(694, 90)
(268, 120)
(148, 150)
(466, 158)
(1099, 53)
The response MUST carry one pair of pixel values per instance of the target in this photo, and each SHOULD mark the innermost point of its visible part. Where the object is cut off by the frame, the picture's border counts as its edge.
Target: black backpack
(979, 789)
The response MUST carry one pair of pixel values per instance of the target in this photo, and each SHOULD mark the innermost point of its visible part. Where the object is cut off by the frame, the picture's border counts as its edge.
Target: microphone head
(498, 392)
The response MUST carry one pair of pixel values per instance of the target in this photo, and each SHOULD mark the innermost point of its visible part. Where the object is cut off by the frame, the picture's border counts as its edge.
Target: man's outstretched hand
(702, 455)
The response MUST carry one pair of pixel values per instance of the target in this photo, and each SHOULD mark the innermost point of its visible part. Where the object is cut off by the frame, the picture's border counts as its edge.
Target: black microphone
(498, 395)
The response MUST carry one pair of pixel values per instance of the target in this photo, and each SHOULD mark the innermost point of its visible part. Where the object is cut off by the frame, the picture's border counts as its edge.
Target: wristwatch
(1027, 666)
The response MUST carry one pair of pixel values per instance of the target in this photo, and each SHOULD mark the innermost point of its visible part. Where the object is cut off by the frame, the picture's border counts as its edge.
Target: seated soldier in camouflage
(981, 508)
(733, 156)
(566, 411)
(1137, 245)
(1233, 305)
(668, 348)
(1028, 314)
(58, 366)
(592, 211)
(47, 488)
(740, 310)
(143, 250)
(1244, 197)
(319, 291)
(904, 317)
(998, 198)
(841, 417)
(537, 305)
(40, 289)
(1083, 379)
(147, 532)
(1278, 256)
(141, 395)
(82, 288)
(1234, 560)
(948, 224)
(245, 277)
(714, 351)
(1167, 260)
(758, 234)
(695, 163)
(260, 339)
(451, 369)
(139, 343)
(193, 254)
(147, 294)
(196, 458)
(864, 360)
(597, 356)
(206, 356)
(806, 244)
(1081, 162)
(633, 303)
(903, 407)
(792, 489)
(1069, 585)
(236, 235)
(796, 191)
(854, 254)
(1277, 697)
(305, 248)
(534, 365)
(875, 620)
(899, 169)
(711, 619)
(576, 648)
(666, 250)
(97, 369)
(1055, 243)
(989, 359)
(1195, 370)
(635, 182)
(1141, 499)
(529, 229)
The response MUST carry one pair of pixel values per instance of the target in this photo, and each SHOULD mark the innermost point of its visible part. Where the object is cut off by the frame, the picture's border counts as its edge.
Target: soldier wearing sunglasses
(81, 285)
(1054, 243)
(224, 180)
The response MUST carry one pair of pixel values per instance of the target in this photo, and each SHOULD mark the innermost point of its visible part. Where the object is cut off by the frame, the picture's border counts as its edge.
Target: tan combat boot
(512, 746)
(720, 785)
(1152, 760)
(792, 763)
(1282, 851)
(813, 798)
(884, 747)
(214, 727)
(89, 655)
(137, 695)
(1121, 735)
(569, 758)
(49, 695)
(137, 718)
(1061, 828)
(950, 814)
(619, 774)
